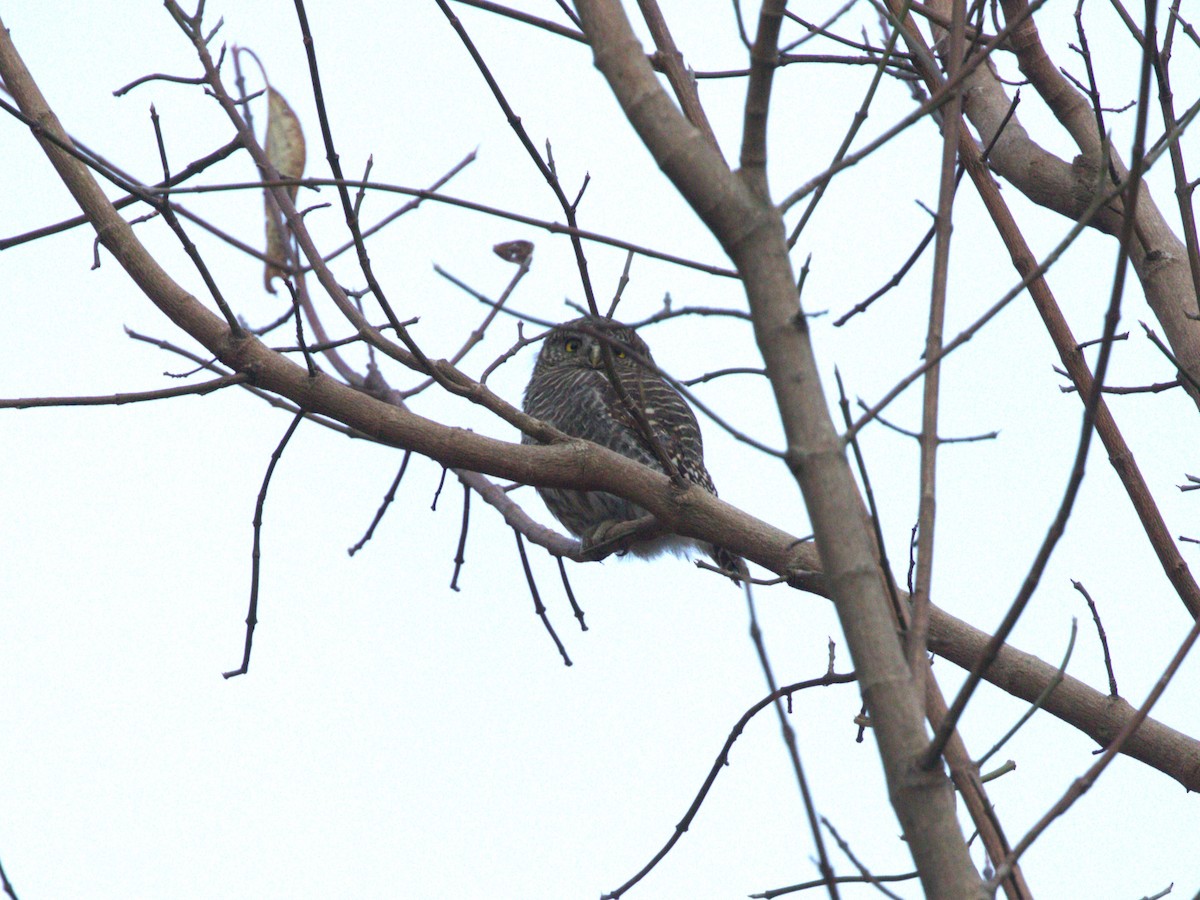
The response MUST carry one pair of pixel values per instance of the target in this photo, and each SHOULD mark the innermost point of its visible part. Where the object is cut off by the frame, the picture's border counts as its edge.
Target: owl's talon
(615, 536)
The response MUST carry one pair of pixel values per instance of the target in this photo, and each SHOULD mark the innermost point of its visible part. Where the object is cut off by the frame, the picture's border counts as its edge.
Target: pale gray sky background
(396, 739)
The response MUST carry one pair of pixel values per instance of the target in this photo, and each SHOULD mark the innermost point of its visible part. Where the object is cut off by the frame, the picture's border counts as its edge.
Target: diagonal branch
(1024, 262)
(741, 216)
(1160, 259)
(764, 57)
(670, 60)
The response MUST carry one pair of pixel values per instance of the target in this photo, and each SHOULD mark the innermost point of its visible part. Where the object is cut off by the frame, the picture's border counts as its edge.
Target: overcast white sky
(396, 739)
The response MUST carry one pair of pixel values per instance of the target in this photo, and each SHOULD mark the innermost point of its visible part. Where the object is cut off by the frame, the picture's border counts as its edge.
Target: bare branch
(1084, 782)
(206, 387)
(538, 606)
(256, 552)
(722, 762)
(1112, 679)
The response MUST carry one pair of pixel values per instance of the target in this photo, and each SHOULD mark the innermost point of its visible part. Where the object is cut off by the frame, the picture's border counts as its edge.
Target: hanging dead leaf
(285, 150)
(514, 251)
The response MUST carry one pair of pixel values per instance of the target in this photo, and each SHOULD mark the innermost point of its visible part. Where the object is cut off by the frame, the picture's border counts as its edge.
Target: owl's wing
(596, 413)
(671, 421)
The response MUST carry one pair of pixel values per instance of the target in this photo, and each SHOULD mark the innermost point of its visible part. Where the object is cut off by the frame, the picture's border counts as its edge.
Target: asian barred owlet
(570, 390)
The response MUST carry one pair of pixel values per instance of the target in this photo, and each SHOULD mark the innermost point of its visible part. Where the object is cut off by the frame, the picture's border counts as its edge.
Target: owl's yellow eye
(571, 345)
(619, 354)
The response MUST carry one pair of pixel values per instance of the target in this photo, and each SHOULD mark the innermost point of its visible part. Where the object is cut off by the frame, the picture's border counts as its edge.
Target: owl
(570, 389)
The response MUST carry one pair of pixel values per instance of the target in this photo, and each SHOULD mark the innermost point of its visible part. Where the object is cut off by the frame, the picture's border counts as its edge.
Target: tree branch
(750, 229)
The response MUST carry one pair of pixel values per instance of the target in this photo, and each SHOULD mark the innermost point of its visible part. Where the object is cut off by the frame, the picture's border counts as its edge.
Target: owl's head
(578, 343)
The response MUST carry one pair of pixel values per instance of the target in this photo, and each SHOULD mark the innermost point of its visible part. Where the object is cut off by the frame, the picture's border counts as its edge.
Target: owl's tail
(731, 564)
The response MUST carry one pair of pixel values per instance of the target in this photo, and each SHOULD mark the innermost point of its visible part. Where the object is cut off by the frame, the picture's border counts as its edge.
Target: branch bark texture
(741, 216)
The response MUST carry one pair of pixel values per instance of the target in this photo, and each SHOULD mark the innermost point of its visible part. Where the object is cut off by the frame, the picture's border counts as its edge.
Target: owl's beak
(594, 355)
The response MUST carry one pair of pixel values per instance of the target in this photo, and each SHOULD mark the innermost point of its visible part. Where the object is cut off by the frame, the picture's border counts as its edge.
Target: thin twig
(163, 207)
(971, 438)
(395, 214)
(476, 336)
(460, 554)
(931, 104)
(527, 18)
(721, 763)
(1099, 200)
(271, 399)
(521, 343)
(856, 123)
(1112, 678)
(438, 492)
(821, 29)
(157, 76)
(426, 194)
(1166, 351)
(892, 282)
(383, 507)
(622, 283)
(872, 507)
(669, 312)
(343, 192)
(862, 870)
(543, 165)
(721, 373)
(1123, 336)
(256, 552)
(575, 607)
(340, 342)
(497, 304)
(538, 606)
(1081, 785)
(841, 879)
(789, 739)
(1157, 388)
(998, 772)
(1038, 703)
(206, 387)
(7, 885)
(190, 171)
(271, 326)
(301, 343)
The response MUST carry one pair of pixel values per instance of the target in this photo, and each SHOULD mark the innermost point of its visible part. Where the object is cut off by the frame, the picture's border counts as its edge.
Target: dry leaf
(285, 150)
(514, 251)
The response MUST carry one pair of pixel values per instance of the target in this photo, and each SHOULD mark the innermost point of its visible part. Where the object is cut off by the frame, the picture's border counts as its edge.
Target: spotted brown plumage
(570, 390)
